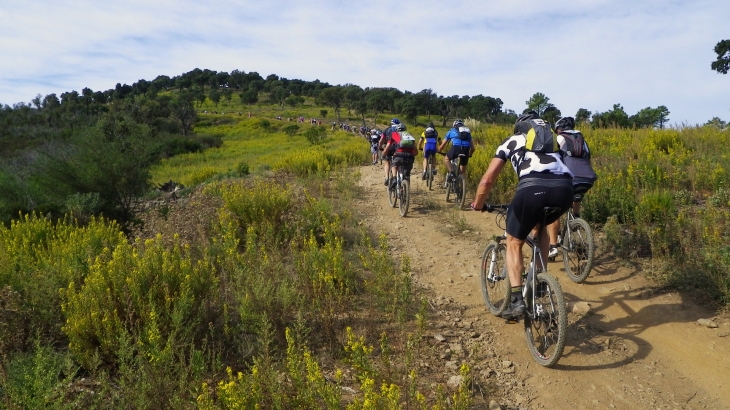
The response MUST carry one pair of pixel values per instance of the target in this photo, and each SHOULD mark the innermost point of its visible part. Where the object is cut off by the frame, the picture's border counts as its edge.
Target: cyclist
(461, 143)
(544, 180)
(577, 157)
(384, 139)
(374, 142)
(403, 148)
(428, 143)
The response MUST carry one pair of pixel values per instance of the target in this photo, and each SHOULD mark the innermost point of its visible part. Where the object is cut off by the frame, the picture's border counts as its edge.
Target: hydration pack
(430, 133)
(575, 144)
(406, 141)
(539, 136)
(464, 133)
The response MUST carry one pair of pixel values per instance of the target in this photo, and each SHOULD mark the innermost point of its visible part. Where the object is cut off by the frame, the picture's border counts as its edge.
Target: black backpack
(464, 133)
(430, 133)
(575, 144)
(539, 136)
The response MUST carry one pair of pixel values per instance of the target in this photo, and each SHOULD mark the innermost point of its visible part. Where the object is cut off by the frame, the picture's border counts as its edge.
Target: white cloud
(591, 54)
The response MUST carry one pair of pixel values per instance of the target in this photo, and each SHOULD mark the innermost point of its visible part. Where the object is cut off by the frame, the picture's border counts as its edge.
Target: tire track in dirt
(636, 347)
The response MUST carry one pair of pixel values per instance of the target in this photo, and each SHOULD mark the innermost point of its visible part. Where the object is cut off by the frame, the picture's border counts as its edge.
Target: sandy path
(637, 347)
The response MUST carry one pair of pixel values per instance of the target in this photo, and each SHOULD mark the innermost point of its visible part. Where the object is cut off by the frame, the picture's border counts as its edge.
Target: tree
(427, 99)
(617, 117)
(332, 97)
(214, 96)
(662, 113)
(538, 102)
(377, 101)
(409, 107)
(279, 95)
(582, 115)
(249, 97)
(185, 114)
(722, 64)
(716, 122)
(551, 114)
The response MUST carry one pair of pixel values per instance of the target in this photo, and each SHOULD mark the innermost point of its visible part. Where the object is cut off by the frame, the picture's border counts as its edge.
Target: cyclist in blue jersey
(428, 142)
(461, 143)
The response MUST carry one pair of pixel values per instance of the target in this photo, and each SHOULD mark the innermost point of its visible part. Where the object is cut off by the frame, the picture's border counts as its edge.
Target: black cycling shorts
(403, 161)
(532, 195)
(580, 187)
(456, 150)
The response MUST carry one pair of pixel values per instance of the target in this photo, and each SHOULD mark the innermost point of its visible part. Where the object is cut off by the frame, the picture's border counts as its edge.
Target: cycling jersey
(528, 162)
(579, 166)
(453, 136)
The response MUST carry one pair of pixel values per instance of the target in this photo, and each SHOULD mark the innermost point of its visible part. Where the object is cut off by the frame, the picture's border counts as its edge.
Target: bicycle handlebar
(501, 208)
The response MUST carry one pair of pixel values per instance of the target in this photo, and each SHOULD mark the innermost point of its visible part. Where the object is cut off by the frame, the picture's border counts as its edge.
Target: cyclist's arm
(487, 181)
(443, 144)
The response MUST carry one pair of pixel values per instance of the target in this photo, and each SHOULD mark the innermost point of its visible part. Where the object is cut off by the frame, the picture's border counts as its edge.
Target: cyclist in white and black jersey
(374, 142)
(544, 180)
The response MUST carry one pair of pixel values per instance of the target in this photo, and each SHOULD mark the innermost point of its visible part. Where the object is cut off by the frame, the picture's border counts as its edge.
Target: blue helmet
(394, 121)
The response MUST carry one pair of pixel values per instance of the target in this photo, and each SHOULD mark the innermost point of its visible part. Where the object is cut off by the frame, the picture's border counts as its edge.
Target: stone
(455, 382)
(439, 338)
(493, 405)
(451, 364)
(581, 307)
(506, 364)
(724, 334)
(509, 370)
(707, 323)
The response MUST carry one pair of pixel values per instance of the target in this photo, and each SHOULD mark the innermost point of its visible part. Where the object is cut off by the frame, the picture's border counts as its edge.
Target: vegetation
(276, 307)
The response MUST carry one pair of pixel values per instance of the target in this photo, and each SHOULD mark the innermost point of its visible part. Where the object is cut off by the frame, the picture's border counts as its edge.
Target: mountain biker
(403, 154)
(428, 142)
(384, 139)
(461, 143)
(577, 157)
(374, 142)
(544, 180)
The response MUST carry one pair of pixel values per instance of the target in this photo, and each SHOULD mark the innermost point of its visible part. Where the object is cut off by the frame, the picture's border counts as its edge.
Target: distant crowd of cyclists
(552, 164)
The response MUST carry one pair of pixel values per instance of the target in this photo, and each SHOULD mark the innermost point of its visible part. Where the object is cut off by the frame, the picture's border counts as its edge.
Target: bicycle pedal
(512, 321)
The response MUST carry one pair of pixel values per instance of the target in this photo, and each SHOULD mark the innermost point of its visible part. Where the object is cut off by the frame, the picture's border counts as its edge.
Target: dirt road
(636, 347)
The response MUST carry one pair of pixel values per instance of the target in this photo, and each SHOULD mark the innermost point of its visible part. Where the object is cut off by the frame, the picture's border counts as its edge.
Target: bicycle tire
(405, 197)
(547, 317)
(392, 195)
(449, 188)
(494, 278)
(429, 174)
(460, 191)
(578, 250)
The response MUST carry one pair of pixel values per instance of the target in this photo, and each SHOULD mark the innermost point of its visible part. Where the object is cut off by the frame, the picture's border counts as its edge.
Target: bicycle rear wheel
(546, 320)
(429, 174)
(392, 194)
(460, 185)
(449, 188)
(578, 250)
(493, 275)
(405, 197)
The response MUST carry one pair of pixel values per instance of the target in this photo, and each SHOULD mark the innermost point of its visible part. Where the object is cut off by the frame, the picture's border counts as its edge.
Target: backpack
(575, 144)
(406, 141)
(464, 133)
(430, 133)
(540, 137)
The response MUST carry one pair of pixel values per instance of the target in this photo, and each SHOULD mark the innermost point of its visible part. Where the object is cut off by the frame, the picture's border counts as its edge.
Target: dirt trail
(637, 346)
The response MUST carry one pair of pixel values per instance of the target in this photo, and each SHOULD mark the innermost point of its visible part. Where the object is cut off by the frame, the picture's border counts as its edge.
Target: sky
(582, 54)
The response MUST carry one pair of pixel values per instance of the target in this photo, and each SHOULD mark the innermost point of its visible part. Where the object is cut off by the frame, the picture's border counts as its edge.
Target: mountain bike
(576, 241)
(399, 190)
(545, 317)
(456, 182)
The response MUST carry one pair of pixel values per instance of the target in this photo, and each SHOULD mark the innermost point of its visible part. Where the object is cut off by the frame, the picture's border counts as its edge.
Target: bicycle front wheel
(392, 194)
(405, 197)
(493, 275)
(578, 250)
(546, 320)
(449, 188)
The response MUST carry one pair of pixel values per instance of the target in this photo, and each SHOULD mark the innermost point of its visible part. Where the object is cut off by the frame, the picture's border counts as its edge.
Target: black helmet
(430, 125)
(565, 123)
(522, 125)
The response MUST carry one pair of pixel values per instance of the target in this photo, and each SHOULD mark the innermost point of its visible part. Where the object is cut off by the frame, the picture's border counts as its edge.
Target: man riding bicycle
(387, 154)
(374, 142)
(577, 157)
(403, 147)
(544, 180)
(461, 143)
(428, 143)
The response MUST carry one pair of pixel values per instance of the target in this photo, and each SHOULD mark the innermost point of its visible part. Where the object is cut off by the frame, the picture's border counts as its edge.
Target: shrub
(242, 169)
(316, 135)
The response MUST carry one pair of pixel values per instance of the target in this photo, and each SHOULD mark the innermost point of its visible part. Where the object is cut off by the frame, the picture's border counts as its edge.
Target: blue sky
(589, 54)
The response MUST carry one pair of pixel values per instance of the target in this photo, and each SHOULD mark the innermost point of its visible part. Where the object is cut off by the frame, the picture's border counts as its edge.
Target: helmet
(394, 121)
(458, 123)
(374, 131)
(527, 116)
(566, 123)
(399, 127)
(430, 125)
(521, 125)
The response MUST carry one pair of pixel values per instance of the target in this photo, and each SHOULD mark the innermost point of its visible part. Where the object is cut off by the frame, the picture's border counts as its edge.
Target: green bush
(316, 135)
